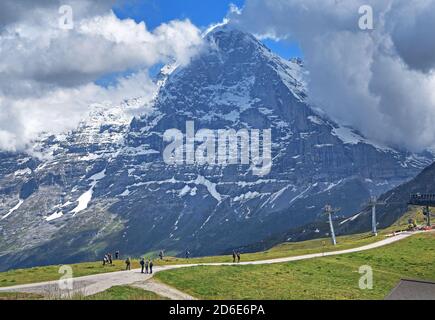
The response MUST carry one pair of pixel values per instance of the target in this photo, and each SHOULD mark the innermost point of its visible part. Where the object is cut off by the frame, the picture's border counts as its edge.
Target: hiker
(117, 255)
(238, 257)
(234, 256)
(104, 260)
(187, 254)
(161, 255)
(142, 264)
(151, 266)
(146, 265)
(127, 264)
(109, 257)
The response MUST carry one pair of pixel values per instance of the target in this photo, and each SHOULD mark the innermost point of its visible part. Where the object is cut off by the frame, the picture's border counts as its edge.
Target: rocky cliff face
(395, 203)
(105, 186)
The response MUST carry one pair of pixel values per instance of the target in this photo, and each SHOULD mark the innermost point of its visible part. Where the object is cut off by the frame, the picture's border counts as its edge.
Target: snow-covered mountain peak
(228, 79)
(106, 184)
(234, 45)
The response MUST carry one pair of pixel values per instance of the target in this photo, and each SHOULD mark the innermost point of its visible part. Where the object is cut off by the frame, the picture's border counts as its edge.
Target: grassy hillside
(290, 249)
(48, 273)
(125, 293)
(324, 278)
(319, 228)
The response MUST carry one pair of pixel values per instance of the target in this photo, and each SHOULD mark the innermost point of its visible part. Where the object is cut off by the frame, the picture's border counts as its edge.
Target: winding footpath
(89, 285)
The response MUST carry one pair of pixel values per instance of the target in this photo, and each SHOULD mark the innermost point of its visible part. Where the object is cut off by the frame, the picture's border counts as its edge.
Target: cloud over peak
(380, 81)
(48, 74)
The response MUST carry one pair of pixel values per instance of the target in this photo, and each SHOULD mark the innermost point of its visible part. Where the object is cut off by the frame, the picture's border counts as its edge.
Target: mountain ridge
(114, 190)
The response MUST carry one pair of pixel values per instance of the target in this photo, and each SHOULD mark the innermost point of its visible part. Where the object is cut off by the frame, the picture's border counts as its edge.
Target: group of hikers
(147, 265)
(107, 259)
(236, 255)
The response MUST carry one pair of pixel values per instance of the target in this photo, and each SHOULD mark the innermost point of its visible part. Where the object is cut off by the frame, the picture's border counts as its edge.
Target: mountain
(105, 186)
(396, 202)
(393, 208)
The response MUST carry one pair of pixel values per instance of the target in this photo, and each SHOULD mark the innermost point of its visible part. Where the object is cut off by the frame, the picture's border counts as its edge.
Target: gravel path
(92, 284)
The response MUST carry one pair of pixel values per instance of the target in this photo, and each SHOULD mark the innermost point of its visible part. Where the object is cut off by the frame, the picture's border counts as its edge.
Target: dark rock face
(105, 186)
(396, 203)
(28, 188)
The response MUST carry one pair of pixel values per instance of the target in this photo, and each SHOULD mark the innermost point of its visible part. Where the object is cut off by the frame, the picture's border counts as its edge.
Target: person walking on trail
(187, 254)
(238, 257)
(142, 264)
(234, 256)
(117, 254)
(147, 263)
(151, 266)
(161, 255)
(127, 264)
(109, 257)
(104, 260)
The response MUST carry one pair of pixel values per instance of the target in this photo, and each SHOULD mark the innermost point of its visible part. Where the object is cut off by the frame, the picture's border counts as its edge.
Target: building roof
(413, 290)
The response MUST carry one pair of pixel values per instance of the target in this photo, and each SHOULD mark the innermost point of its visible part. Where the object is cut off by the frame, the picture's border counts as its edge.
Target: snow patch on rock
(17, 206)
(86, 197)
(54, 216)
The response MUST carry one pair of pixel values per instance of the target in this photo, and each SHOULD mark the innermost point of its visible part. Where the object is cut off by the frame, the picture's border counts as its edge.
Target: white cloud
(47, 74)
(62, 109)
(412, 26)
(234, 9)
(380, 81)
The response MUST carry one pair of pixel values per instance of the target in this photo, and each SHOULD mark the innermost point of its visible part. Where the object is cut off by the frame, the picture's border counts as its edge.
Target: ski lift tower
(330, 211)
(424, 200)
(373, 202)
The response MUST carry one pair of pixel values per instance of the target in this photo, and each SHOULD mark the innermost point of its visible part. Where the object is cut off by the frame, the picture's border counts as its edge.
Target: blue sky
(202, 13)
(154, 12)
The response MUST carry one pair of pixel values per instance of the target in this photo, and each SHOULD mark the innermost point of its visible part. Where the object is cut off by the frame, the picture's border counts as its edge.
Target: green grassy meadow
(49, 273)
(322, 278)
(329, 277)
(125, 293)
